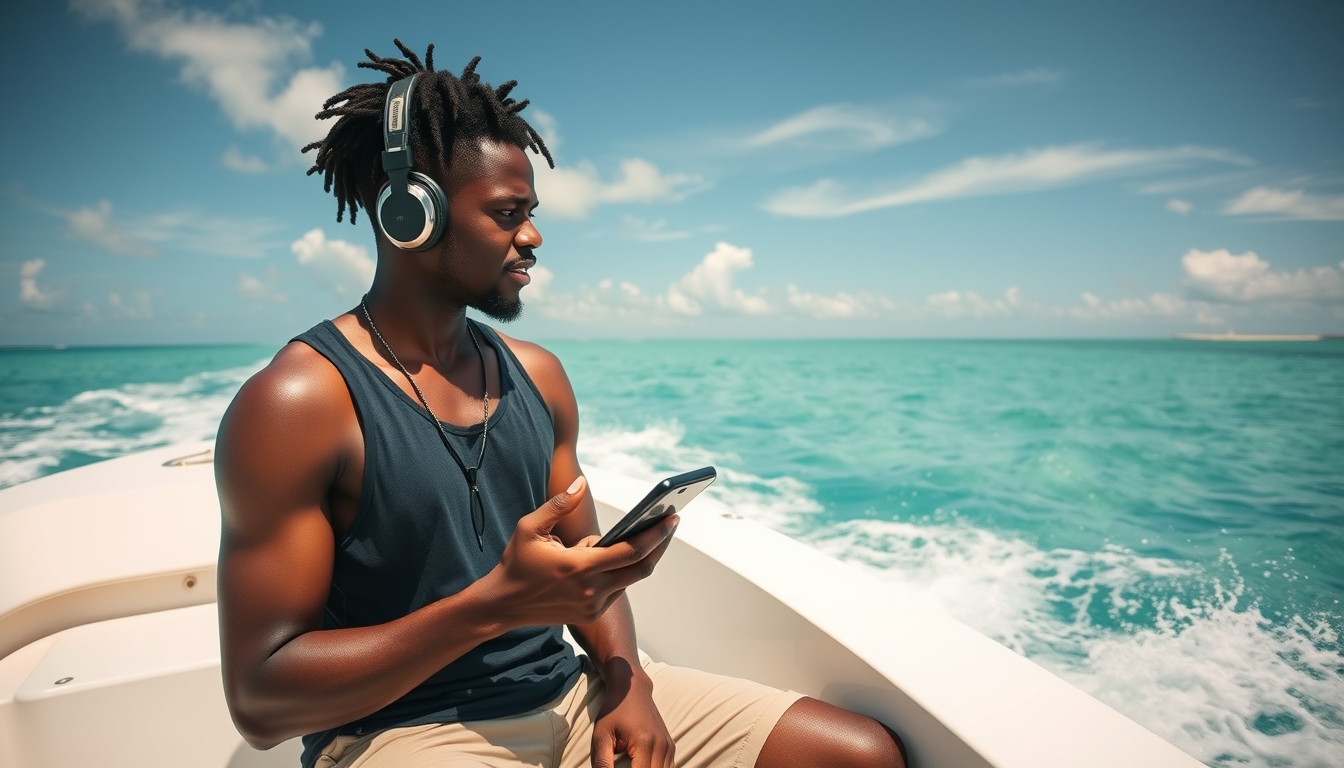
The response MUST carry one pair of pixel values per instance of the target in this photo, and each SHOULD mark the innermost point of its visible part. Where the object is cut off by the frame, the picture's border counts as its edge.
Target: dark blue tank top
(412, 542)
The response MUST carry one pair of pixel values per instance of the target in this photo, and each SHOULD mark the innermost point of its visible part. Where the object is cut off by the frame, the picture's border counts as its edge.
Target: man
(405, 522)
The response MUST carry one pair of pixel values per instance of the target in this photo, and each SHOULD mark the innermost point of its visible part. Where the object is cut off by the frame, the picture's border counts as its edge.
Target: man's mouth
(518, 270)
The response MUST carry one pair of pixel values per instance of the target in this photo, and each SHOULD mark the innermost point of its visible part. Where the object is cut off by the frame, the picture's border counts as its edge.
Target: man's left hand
(629, 722)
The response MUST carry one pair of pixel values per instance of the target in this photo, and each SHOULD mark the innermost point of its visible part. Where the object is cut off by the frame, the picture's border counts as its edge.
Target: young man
(405, 523)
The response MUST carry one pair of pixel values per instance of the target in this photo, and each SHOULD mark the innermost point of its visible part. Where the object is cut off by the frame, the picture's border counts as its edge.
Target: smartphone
(667, 497)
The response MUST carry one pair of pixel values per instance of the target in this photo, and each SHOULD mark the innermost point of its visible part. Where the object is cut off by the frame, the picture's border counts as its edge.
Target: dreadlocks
(449, 112)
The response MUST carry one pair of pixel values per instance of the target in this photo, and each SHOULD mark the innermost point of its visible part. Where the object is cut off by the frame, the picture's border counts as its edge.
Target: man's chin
(496, 307)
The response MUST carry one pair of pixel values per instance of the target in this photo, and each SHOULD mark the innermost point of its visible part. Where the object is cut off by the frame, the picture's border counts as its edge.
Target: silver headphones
(412, 209)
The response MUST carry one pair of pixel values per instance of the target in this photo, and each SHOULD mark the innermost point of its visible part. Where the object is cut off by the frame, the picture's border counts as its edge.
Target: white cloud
(137, 304)
(252, 288)
(32, 295)
(1176, 205)
(235, 160)
(546, 126)
(1287, 204)
(971, 304)
(1223, 276)
(1027, 171)
(847, 125)
(1156, 305)
(195, 232)
(840, 305)
(95, 225)
(248, 69)
(1029, 76)
(650, 231)
(572, 192)
(341, 267)
(711, 284)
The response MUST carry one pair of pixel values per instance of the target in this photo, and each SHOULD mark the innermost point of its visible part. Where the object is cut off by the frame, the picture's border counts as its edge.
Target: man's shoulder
(299, 382)
(535, 359)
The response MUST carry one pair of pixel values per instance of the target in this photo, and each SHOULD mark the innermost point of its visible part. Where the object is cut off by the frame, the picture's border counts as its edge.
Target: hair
(450, 113)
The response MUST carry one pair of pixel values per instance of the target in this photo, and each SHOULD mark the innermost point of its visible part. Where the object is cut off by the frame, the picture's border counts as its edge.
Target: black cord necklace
(477, 506)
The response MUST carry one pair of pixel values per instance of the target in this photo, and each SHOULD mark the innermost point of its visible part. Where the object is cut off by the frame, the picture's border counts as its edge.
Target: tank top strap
(513, 368)
(361, 376)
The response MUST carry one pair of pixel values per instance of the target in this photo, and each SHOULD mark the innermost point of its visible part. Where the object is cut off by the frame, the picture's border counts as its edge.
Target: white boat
(109, 642)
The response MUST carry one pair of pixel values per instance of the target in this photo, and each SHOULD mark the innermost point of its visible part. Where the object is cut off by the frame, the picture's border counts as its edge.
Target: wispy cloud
(650, 231)
(236, 160)
(845, 126)
(260, 290)
(339, 266)
(572, 192)
(96, 225)
(1028, 171)
(251, 70)
(1177, 205)
(1287, 204)
(1223, 276)
(32, 295)
(1028, 76)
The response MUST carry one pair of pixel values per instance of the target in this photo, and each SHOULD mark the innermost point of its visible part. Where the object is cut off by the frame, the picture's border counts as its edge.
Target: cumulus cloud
(1029, 76)
(250, 70)
(1284, 204)
(1027, 171)
(846, 126)
(572, 192)
(138, 304)
(1223, 276)
(236, 160)
(96, 225)
(710, 284)
(259, 290)
(839, 305)
(1176, 205)
(32, 295)
(341, 267)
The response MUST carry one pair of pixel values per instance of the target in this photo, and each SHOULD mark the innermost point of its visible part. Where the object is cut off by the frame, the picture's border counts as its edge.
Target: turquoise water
(1161, 523)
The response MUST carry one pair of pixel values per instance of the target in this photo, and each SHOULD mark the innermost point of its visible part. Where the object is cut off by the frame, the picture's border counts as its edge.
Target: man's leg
(813, 733)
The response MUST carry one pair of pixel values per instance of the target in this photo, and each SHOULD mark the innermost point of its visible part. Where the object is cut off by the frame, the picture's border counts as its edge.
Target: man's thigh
(715, 721)
(511, 742)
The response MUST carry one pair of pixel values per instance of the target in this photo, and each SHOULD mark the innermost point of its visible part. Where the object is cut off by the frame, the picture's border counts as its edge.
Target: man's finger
(547, 515)
(604, 751)
(621, 578)
(626, 553)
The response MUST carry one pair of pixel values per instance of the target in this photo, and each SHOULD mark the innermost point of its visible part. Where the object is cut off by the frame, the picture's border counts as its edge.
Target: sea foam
(1169, 644)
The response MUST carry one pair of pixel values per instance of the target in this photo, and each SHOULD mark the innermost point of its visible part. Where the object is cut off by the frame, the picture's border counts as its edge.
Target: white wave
(104, 423)
(1199, 670)
(1196, 671)
(657, 450)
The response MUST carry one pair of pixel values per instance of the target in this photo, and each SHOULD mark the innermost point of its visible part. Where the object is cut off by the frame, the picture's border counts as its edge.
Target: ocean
(1160, 523)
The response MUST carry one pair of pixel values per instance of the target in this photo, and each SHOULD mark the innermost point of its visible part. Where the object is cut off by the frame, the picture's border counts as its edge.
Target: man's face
(490, 236)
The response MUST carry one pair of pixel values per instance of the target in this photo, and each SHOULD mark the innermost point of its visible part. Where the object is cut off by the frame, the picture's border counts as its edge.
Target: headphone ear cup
(413, 221)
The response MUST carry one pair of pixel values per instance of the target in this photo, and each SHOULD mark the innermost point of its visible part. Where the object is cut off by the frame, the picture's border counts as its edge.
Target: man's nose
(528, 236)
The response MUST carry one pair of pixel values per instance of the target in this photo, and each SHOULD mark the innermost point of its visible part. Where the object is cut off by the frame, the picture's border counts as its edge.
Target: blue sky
(725, 169)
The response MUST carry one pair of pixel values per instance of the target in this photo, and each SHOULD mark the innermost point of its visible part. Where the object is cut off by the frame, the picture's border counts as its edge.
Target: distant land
(1257, 336)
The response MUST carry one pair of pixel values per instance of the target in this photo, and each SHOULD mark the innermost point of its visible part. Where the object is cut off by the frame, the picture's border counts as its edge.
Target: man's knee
(812, 732)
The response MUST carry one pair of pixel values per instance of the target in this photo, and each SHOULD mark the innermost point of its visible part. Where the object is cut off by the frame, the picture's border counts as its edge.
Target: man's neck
(419, 326)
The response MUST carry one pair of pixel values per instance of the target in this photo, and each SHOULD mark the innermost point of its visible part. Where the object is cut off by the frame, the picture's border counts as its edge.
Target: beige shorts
(714, 720)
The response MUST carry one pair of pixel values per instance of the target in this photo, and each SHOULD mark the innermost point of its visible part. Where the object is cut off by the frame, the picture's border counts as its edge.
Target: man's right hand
(539, 581)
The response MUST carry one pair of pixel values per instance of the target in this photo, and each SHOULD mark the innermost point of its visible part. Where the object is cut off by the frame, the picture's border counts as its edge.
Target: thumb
(559, 505)
(603, 749)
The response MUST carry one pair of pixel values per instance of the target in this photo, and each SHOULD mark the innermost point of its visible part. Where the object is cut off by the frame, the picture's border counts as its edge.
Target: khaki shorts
(714, 720)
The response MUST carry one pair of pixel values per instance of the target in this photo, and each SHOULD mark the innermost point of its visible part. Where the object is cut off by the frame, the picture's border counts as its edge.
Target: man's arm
(282, 448)
(633, 723)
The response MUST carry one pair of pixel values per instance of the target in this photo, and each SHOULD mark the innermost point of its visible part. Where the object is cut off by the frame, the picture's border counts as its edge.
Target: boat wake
(104, 423)
(1174, 646)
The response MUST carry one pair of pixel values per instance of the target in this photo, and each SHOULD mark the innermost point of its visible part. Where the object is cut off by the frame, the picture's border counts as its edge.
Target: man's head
(465, 135)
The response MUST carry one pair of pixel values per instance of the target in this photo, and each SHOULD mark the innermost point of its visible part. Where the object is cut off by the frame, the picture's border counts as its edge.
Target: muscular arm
(284, 448)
